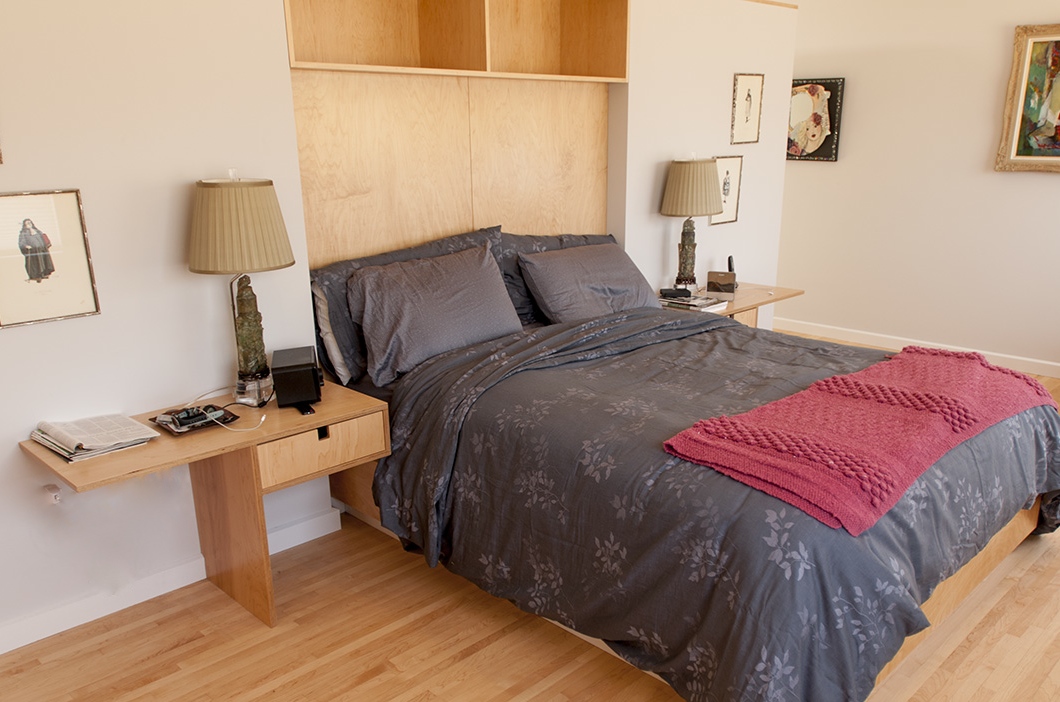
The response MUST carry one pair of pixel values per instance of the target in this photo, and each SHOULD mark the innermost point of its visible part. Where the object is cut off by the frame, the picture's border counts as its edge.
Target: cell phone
(191, 417)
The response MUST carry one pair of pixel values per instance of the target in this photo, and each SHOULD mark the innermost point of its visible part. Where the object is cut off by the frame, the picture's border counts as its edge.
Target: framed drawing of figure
(730, 168)
(45, 265)
(813, 120)
(746, 107)
(1030, 137)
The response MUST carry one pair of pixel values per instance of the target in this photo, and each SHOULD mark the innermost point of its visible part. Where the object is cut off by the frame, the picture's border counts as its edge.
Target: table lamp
(692, 190)
(237, 228)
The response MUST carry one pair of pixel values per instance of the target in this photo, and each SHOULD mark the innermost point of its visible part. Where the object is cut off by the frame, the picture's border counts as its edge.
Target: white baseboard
(38, 626)
(853, 336)
(358, 514)
(286, 536)
(35, 627)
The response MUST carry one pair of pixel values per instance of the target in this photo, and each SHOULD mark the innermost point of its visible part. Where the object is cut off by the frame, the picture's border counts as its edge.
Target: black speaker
(297, 378)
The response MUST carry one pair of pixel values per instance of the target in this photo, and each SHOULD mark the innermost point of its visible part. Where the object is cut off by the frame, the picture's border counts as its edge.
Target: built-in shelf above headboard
(566, 39)
(391, 159)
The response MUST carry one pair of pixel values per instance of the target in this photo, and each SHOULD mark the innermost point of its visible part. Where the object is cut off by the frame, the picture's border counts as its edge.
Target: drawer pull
(323, 433)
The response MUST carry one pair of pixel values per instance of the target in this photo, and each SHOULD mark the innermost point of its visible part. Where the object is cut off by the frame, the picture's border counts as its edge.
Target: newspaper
(91, 436)
(695, 302)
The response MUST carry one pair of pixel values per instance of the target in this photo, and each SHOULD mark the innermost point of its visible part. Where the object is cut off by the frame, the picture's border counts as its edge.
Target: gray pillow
(507, 251)
(585, 282)
(338, 330)
(414, 310)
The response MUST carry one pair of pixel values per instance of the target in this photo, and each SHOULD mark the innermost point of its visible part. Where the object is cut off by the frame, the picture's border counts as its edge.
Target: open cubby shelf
(541, 39)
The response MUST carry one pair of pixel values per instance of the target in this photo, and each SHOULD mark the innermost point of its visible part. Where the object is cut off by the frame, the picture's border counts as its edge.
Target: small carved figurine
(249, 342)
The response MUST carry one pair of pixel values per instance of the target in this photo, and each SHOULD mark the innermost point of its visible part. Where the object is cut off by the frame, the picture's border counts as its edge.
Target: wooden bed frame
(353, 487)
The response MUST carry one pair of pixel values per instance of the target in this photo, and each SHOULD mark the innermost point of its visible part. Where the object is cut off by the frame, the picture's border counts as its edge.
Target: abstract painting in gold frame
(1030, 138)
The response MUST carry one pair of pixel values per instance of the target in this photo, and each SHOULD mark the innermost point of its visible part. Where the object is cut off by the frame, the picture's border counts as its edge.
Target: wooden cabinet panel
(575, 39)
(353, 486)
(453, 35)
(748, 317)
(525, 36)
(344, 32)
(559, 37)
(595, 37)
(321, 451)
(232, 532)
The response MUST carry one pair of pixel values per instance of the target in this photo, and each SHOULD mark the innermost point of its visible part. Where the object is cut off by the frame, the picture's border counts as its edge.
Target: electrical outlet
(54, 494)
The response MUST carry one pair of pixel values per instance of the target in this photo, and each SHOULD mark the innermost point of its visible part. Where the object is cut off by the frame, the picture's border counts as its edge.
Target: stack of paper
(92, 436)
(694, 302)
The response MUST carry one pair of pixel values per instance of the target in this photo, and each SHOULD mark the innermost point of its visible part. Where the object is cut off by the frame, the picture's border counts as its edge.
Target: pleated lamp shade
(692, 189)
(237, 227)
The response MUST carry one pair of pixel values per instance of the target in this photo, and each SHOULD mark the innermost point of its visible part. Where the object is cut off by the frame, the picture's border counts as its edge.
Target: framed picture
(746, 107)
(45, 266)
(813, 119)
(729, 170)
(1029, 138)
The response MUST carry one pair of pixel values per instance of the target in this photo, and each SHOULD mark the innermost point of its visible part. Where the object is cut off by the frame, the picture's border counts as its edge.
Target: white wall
(911, 235)
(683, 56)
(132, 102)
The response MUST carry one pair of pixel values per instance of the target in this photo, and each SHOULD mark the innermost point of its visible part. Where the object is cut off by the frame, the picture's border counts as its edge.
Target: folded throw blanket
(845, 449)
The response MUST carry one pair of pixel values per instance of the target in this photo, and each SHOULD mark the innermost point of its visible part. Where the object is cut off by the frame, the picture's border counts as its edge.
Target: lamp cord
(195, 399)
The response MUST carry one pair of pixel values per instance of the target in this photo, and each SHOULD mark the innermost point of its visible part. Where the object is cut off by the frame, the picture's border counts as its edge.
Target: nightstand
(749, 297)
(232, 471)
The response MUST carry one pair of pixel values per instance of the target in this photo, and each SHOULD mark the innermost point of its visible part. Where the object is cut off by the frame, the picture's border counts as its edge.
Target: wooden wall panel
(393, 160)
(594, 36)
(385, 160)
(453, 34)
(338, 31)
(539, 155)
(525, 36)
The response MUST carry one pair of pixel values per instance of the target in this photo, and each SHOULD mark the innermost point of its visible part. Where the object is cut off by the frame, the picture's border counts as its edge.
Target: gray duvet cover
(533, 466)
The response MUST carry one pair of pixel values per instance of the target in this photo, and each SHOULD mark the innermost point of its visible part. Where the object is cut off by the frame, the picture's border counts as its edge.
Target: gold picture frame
(1030, 136)
(45, 264)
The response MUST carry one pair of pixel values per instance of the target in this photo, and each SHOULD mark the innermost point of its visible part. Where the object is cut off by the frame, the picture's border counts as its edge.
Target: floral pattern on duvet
(543, 481)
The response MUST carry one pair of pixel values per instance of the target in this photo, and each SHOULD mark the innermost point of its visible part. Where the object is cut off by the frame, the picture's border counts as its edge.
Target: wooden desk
(749, 297)
(231, 471)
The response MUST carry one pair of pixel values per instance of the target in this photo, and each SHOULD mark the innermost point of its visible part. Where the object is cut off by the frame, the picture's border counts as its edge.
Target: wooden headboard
(393, 160)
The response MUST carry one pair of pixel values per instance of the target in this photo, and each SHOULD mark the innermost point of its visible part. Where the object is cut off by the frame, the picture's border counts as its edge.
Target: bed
(534, 385)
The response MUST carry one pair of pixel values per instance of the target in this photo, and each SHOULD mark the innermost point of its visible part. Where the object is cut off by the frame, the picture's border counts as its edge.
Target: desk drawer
(316, 452)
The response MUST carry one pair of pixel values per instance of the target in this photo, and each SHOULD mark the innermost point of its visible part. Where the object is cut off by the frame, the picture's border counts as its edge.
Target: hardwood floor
(1003, 643)
(361, 620)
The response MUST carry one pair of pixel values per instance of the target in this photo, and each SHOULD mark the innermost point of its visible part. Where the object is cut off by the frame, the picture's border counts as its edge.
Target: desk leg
(748, 317)
(232, 535)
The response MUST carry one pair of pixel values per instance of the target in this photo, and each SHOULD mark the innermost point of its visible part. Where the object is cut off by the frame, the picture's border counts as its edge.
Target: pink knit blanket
(845, 449)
